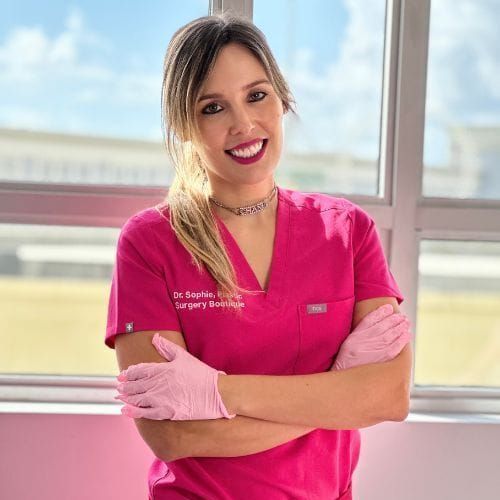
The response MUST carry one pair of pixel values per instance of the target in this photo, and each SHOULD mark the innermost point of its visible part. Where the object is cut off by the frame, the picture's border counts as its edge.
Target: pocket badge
(316, 308)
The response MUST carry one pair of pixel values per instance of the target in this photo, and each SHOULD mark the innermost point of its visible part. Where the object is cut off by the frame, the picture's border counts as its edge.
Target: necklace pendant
(253, 209)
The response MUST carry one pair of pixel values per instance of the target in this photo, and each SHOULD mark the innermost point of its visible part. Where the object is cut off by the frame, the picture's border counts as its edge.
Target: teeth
(247, 152)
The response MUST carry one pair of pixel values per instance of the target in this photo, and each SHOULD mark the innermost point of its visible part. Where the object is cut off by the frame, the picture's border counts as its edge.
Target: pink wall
(72, 457)
(102, 457)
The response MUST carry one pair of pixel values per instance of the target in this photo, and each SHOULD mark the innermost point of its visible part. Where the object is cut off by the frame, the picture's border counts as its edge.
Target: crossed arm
(273, 410)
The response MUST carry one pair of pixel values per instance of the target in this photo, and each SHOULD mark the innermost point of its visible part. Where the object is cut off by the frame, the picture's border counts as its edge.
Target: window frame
(403, 216)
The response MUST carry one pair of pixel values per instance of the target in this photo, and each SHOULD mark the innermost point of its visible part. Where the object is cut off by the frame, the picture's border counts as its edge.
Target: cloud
(65, 70)
(24, 118)
(22, 55)
(28, 53)
(464, 62)
(341, 106)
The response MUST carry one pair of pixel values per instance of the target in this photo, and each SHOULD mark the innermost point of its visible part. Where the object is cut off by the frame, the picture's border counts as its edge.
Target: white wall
(429, 461)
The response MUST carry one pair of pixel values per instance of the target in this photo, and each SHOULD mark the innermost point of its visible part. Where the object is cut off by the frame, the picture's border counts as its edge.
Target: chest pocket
(322, 329)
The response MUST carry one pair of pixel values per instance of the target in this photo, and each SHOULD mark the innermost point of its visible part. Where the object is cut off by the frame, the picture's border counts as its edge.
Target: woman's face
(240, 114)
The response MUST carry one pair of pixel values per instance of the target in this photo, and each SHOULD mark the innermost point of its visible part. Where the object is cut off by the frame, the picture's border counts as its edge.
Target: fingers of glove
(398, 345)
(387, 323)
(383, 324)
(138, 400)
(144, 384)
(374, 333)
(375, 316)
(141, 370)
(180, 412)
(373, 350)
(131, 411)
(390, 347)
(135, 386)
(395, 332)
(155, 412)
(135, 412)
(400, 340)
(370, 344)
(405, 338)
(168, 349)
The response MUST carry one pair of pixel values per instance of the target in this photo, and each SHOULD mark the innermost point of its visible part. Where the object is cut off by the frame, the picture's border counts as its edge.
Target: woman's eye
(210, 107)
(204, 111)
(260, 92)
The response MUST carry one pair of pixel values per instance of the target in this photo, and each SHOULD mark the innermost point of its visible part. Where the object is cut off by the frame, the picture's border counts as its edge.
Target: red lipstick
(252, 159)
(247, 144)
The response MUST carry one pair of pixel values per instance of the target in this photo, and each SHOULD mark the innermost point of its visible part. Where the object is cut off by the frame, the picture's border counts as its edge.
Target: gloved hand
(185, 388)
(380, 336)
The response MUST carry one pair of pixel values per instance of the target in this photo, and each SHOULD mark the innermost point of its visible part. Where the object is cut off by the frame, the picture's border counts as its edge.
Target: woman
(257, 342)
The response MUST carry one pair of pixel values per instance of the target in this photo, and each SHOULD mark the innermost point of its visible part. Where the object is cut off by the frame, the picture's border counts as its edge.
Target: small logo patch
(129, 327)
(316, 308)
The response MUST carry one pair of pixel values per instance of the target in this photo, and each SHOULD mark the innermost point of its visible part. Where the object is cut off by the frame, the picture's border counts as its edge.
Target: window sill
(114, 409)
(60, 408)
(452, 418)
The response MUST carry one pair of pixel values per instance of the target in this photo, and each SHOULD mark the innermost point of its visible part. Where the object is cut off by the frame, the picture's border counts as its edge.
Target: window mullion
(389, 99)
(409, 119)
(240, 7)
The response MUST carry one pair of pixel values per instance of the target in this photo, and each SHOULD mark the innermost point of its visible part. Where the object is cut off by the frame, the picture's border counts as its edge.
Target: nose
(242, 122)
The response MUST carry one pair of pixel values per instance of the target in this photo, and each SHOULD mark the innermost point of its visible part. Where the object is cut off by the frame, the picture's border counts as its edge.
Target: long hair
(190, 56)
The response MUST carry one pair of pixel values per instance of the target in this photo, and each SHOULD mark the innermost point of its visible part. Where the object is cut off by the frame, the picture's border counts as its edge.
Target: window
(80, 91)
(331, 53)
(398, 111)
(458, 334)
(462, 128)
(54, 283)
(80, 151)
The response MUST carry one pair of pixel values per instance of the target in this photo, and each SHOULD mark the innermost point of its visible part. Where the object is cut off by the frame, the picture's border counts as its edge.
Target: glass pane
(458, 326)
(80, 90)
(331, 54)
(462, 129)
(55, 283)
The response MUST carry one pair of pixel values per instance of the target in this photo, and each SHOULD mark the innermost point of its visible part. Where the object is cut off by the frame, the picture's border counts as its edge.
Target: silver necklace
(248, 209)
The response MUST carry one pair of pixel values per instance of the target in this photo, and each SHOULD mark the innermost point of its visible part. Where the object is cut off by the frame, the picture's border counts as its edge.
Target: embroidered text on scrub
(210, 304)
(190, 305)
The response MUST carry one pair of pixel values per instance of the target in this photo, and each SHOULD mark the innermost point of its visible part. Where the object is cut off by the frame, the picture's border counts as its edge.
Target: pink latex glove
(380, 336)
(183, 389)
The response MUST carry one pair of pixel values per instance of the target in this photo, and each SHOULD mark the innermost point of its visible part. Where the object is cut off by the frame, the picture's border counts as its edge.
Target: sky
(96, 67)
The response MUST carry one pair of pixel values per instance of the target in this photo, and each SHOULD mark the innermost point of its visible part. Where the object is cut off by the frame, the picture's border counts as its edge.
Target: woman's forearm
(348, 399)
(234, 437)
(221, 437)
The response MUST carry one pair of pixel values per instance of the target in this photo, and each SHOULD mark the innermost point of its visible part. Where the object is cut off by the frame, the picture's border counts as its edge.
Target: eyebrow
(217, 96)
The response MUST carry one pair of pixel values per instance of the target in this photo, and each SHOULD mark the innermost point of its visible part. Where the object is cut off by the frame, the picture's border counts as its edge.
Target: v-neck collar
(274, 293)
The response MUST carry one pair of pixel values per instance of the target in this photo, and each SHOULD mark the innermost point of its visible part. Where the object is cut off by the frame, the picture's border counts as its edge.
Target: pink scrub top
(327, 256)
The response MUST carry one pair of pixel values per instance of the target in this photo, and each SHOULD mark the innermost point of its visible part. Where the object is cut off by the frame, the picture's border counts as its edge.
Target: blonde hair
(190, 56)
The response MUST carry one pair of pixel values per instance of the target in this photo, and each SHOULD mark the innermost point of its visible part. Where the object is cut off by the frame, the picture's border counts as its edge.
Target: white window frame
(401, 211)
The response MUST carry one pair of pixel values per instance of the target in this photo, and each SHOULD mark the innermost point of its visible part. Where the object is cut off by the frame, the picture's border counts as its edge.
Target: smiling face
(237, 116)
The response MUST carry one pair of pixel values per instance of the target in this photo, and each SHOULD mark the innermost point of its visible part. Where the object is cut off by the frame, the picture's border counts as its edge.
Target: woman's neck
(265, 216)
